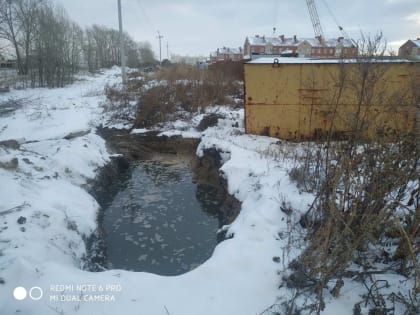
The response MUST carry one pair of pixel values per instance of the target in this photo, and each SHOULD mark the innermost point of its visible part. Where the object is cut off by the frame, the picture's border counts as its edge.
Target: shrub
(367, 195)
(154, 106)
(184, 88)
(119, 106)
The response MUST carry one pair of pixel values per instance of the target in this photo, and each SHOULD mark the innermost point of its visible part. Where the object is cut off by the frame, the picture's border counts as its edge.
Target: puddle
(158, 222)
(160, 211)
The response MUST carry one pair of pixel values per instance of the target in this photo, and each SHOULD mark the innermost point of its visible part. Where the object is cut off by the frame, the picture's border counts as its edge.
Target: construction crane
(315, 19)
(319, 33)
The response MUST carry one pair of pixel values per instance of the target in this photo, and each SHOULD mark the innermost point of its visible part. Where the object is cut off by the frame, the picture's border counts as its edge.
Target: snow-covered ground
(45, 214)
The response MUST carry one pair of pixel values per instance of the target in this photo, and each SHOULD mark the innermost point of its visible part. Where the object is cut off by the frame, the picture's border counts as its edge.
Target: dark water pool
(160, 221)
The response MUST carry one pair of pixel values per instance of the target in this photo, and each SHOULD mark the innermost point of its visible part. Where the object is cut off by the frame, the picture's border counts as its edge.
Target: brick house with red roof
(410, 48)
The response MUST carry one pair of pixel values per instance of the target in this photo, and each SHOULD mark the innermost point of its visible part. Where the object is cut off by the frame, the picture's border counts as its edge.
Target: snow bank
(45, 215)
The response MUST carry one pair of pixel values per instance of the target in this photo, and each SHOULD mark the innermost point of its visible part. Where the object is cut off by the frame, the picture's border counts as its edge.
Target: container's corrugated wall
(306, 101)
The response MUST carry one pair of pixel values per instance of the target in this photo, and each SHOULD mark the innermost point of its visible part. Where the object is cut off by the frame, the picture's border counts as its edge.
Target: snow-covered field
(45, 214)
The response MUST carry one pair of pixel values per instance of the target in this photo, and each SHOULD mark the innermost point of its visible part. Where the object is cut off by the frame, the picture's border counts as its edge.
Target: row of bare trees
(101, 49)
(50, 48)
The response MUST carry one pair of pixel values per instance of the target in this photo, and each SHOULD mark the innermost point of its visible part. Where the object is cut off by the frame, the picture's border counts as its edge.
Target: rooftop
(416, 42)
(294, 41)
(227, 50)
(297, 60)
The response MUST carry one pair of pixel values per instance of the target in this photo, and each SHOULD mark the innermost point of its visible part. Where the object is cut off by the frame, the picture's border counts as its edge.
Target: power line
(149, 23)
(332, 15)
(335, 20)
(146, 19)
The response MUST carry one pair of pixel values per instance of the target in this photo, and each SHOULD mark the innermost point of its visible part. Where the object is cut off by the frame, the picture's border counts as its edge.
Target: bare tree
(50, 48)
(47, 45)
(101, 48)
(10, 29)
(17, 25)
(146, 54)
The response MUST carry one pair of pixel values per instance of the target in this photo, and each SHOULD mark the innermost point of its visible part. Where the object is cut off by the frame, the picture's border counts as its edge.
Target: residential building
(410, 48)
(226, 54)
(304, 47)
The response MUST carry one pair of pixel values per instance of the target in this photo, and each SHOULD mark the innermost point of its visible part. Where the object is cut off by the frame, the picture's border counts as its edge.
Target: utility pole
(167, 50)
(160, 47)
(122, 48)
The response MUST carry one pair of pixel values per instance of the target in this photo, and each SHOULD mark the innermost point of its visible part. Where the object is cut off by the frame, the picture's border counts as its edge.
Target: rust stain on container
(299, 101)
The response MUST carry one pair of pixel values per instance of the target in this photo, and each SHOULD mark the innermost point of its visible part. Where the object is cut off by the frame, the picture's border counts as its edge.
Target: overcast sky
(198, 27)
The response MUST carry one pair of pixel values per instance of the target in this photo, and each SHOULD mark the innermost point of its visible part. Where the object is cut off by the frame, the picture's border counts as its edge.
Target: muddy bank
(146, 146)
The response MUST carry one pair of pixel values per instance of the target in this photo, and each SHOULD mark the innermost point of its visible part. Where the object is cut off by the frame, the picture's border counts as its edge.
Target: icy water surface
(156, 222)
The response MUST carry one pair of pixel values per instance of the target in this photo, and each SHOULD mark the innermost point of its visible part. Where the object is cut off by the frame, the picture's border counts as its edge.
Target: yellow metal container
(298, 99)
